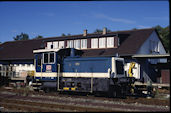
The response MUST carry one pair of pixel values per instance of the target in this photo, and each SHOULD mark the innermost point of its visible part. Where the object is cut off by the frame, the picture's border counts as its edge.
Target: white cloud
(115, 19)
(157, 18)
(33, 33)
(142, 26)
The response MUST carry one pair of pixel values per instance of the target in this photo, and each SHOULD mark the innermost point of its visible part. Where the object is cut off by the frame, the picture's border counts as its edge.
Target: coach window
(51, 58)
(45, 57)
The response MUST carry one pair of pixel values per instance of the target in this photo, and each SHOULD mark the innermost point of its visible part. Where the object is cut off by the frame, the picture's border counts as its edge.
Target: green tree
(164, 34)
(158, 28)
(100, 31)
(38, 37)
(22, 36)
(63, 34)
(134, 28)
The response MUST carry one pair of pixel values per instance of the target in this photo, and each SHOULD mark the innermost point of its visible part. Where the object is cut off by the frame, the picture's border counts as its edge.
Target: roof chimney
(104, 31)
(85, 32)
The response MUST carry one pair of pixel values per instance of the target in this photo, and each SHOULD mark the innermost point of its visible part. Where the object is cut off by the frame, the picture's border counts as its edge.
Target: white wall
(146, 47)
(19, 69)
(23, 68)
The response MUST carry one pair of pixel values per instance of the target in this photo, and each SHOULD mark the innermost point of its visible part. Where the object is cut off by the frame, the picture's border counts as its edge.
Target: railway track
(63, 103)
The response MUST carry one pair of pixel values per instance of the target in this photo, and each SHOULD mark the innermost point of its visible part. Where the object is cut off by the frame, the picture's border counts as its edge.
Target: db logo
(48, 67)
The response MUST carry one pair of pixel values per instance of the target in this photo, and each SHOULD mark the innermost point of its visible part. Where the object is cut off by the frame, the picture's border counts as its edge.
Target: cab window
(119, 67)
(45, 57)
(49, 58)
(39, 60)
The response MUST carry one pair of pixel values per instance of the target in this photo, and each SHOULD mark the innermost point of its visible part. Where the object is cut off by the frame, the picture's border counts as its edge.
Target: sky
(51, 19)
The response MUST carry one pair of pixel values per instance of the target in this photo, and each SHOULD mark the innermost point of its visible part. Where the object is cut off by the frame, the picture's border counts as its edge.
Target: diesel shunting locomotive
(67, 70)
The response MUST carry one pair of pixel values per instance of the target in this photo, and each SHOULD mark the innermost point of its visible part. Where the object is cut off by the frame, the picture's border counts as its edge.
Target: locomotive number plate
(48, 67)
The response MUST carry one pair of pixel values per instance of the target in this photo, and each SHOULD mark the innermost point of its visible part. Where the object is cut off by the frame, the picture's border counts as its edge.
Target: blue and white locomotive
(66, 70)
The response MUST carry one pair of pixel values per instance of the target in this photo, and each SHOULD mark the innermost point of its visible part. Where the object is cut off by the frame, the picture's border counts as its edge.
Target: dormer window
(52, 46)
(70, 43)
(110, 42)
(84, 44)
(55, 44)
(61, 44)
(49, 45)
(94, 43)
(102, 42)
(77, 44)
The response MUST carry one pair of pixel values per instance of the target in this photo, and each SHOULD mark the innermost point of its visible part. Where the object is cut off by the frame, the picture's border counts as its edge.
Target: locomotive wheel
(37, 90)
(115, 91)
(46, 90)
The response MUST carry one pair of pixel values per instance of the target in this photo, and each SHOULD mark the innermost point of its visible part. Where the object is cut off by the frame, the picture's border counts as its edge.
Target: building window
(118, 41)
(77, 44)
(61, 44)
(102, 42)
(49, 45)
(94, 43)
(55, 44)
(83, 43)
(158, 47)
(70, 44)
(49, 58)
(154, 46)
(110, 41)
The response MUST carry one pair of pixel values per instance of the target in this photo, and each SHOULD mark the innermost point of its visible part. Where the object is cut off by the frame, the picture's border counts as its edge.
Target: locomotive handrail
(41, 67)
(58, 76)
(91, 83)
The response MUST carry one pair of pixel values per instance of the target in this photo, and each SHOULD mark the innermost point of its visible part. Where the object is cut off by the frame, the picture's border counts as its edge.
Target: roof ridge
(101, 33)
(132, 30)
(78, 35)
